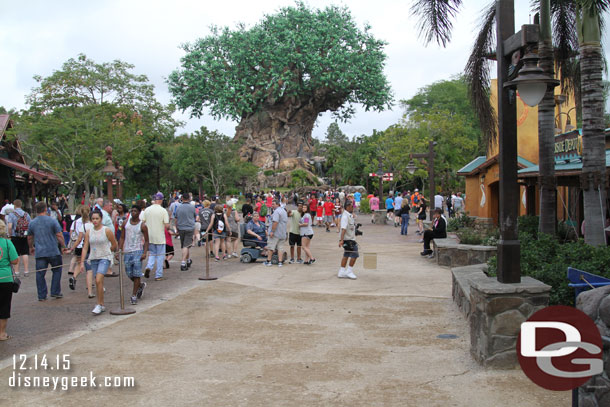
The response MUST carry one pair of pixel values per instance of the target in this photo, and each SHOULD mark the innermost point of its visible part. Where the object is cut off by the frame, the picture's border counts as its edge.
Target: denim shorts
(100, 266)
(133, 264)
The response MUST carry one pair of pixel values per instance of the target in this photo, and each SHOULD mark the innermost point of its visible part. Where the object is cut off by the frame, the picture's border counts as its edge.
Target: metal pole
(122, 310)
(380, 175)
(509, 268)
(430, 159)
(207, 260)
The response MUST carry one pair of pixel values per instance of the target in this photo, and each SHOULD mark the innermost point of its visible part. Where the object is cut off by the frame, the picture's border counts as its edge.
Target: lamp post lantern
(120, 178)
(509, 251)
(109, 171)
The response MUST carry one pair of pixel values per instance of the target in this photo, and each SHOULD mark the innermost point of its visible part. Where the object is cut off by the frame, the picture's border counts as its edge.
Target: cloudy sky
(36, 37)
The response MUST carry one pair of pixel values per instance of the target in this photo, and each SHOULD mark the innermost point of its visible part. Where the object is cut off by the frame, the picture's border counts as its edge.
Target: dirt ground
(296, 335)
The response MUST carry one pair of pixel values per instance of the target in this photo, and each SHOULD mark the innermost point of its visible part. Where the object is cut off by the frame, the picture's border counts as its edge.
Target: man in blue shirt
(389, 205)
(45, 239)
(357, 198)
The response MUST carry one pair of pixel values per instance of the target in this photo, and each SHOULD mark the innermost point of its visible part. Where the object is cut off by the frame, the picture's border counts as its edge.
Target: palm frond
(435, 19)
(565, 39)
(477, 73)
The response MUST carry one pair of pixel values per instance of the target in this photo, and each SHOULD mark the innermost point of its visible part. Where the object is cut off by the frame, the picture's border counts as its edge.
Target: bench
(449, 252)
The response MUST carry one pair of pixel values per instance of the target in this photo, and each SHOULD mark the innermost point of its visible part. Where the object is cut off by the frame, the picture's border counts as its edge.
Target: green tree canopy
(293, 58)
(447, 99)
(211, 158)
(80, 109)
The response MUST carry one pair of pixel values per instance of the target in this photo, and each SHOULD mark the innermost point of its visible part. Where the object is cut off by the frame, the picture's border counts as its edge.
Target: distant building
(482, 173)
(17, 178)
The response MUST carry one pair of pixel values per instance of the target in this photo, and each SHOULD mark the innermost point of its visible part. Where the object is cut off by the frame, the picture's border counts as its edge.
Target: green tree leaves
(297, 56)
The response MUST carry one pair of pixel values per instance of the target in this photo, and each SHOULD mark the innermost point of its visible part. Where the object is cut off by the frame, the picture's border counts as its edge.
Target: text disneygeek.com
(25, 365)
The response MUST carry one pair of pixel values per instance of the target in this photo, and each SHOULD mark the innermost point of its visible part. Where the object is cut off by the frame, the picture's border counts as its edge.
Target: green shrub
(469, 236)
(547, 260)
(528, 224)
(268, 173)
(364, 206)
(460, 221)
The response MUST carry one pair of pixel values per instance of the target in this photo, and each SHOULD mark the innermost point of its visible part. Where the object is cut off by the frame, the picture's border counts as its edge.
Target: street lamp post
(380, 175)
(429, 157)
(120, 177)
(531, 86)
(109, 171)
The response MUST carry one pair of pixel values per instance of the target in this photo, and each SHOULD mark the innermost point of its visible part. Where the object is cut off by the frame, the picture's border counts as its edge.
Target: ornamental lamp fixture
(532, 82)
(411, 167)
(109, 169)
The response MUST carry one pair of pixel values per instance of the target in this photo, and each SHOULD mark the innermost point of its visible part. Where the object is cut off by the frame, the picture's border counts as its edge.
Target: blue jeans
(405, 224)
(41, 282)
(156, 255)
(133, 264)
(100, 266)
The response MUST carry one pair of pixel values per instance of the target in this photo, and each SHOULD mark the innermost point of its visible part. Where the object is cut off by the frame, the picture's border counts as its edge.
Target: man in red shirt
(329, 208)
(313, 206)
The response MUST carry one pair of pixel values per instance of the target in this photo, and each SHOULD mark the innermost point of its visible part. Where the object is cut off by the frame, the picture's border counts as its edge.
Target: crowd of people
(100, 231)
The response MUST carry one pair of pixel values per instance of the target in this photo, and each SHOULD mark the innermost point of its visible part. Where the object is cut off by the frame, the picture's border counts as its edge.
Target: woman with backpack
(80, 227)
(219, 226)
(233, 236)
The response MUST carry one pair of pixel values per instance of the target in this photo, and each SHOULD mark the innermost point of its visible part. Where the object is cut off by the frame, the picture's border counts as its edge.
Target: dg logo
(560, 348)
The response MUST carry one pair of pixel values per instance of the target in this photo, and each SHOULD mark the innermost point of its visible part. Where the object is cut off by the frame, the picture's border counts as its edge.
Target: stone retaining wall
(449, 252)
(495, 312)
(596, 304)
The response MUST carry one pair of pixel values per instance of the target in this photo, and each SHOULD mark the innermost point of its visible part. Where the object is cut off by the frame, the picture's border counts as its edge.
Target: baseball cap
(118, 201)
(416, 190)
(158, 196)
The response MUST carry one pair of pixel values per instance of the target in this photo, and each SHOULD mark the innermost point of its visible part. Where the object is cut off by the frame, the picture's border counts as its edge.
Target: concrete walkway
(292, 336)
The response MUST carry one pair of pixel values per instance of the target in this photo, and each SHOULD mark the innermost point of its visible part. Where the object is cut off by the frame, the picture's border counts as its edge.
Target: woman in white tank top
(102, 243)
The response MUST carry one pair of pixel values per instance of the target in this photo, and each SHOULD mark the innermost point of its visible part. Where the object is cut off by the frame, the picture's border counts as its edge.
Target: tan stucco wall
(527, 139)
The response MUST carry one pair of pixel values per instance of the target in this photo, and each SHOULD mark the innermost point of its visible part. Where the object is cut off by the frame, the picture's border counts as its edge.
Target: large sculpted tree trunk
(546, 128)
(277, 138)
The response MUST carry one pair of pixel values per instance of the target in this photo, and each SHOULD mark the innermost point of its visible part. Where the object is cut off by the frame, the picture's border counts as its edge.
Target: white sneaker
(350, 274)
(235, 255)
(98, 309)
(342, 273)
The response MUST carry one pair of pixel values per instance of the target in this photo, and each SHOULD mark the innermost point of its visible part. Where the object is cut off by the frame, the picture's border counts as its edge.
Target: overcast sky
(37, 37)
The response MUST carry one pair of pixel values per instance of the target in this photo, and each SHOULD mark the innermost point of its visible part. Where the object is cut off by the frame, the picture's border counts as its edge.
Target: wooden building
(17, 178)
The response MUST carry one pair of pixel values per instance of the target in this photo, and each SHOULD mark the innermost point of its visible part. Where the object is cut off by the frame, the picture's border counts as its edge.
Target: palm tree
(593, 177)
(435, 23)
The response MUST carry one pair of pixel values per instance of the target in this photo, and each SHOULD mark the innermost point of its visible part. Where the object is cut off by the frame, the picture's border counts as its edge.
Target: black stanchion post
(207, 277)
(122, 310)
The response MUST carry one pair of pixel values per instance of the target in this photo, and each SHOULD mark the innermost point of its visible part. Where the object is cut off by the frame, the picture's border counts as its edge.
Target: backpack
(22, 226)
(264, 210)
(219, 224)
(416, 198)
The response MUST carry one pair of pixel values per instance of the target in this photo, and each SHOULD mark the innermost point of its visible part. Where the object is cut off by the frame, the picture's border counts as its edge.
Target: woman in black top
(421, 216)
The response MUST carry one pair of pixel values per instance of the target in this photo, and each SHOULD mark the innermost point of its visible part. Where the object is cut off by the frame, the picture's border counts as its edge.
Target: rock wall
(495, 312)
(596, 304)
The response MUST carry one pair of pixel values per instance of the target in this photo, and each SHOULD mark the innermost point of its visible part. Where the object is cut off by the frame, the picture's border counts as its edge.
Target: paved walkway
(290, 336)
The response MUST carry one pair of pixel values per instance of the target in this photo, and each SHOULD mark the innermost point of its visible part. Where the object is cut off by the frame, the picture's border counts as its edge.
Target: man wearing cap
(156, 219)
(348, 242)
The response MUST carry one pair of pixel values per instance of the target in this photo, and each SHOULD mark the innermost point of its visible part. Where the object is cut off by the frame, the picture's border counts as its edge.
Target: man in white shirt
(348, 242)
(156, 219)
